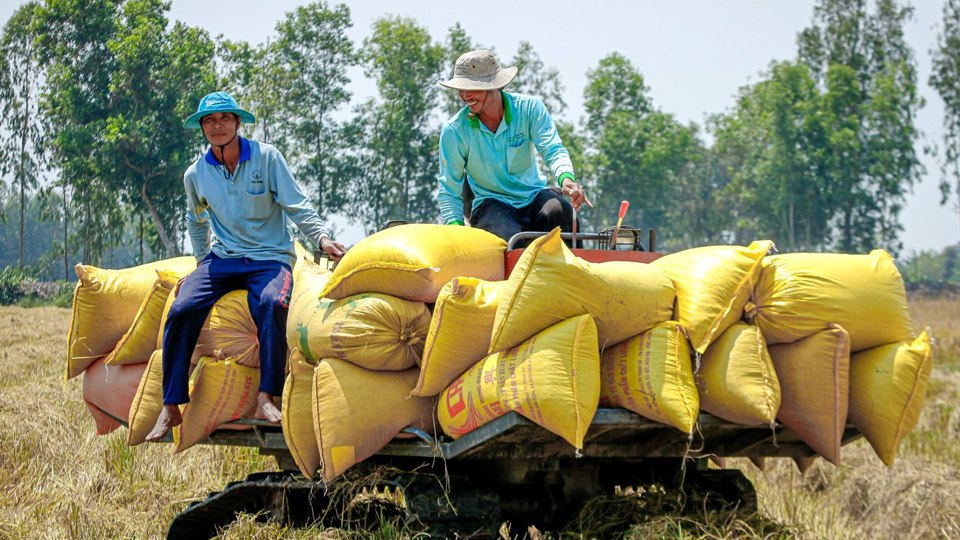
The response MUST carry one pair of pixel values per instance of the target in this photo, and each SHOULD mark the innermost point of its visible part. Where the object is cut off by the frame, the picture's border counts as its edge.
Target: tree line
(818, 154)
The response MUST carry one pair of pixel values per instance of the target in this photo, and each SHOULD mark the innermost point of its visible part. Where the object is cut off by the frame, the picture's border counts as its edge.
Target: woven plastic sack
(105, 303)
(737, 381)
(297, 415)
(814, 382)
(553, 379)
(713, 285)
(550, 284)
(147, 402)
(800, 294)
(230, 332)
(220, 392)
(356, 412)
(415, 261)
(305, 302)
(139, 342)
(888, 385)
(303, 255)
(372, 330)
(651, 374)
(459, 333)
(108, 392)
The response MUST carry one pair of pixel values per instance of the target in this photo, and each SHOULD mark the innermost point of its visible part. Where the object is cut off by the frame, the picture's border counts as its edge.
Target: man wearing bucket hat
(487, 149)
(243, 191)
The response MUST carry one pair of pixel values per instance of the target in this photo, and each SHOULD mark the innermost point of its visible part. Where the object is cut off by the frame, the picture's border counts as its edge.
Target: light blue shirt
(499, 165)
(249, 212)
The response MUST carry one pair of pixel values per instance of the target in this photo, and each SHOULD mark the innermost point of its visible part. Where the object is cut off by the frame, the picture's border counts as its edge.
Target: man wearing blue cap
(487, 150)
(244, 192)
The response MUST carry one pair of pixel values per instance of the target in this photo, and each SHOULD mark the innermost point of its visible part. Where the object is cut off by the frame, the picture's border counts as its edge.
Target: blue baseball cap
(215, 103)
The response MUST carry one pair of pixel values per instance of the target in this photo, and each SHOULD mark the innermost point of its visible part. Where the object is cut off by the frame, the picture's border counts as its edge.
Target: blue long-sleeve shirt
(248, 213)
(499, 165)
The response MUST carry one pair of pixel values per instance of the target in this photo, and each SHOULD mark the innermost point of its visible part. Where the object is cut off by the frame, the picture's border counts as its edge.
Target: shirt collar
(244, 153)
(474, 120)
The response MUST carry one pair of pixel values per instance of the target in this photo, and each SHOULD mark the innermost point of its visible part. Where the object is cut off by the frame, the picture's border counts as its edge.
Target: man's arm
(452, 176)
(198, 223)
(547, 141)
(295, 204)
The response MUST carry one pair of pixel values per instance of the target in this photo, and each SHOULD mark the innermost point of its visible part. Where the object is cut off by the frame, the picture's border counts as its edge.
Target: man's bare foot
(267, 409)
(169, 417)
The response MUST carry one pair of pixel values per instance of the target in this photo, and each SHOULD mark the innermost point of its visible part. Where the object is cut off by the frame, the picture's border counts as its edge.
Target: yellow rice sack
(305, 302)
(814, 382)
(230, 332)
(550, 284)
(415, 261)
(166, 309)
(297, 413)
(105, 303)
(108, 392)
(553, 379)
(220, 392)
(139, 342)
(888, 385)
(802, 293)
(372, 330)
(356, 412)
(651, 374)
(713, 285)
(303, 255)
(737, 380)
(459, 333)
(147, 402)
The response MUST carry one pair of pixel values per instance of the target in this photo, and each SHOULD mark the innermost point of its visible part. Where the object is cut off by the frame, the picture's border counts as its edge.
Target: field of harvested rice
(60, 480)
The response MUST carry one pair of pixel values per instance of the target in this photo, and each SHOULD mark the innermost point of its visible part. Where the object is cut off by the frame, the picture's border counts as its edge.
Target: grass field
(59, 480)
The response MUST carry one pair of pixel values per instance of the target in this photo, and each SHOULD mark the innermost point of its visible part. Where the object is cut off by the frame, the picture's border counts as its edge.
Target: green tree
(157, 79)
(22, 138)
(637, 153)
(945, 78)
(312, 52)
(884, 164)
(614, 87)
(700, 210)
(768, 143)
(534, 78)
(72, 37)
(253, 76)
(395, 163)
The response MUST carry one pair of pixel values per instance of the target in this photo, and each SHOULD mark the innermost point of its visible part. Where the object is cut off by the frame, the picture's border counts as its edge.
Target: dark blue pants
(547, 211)
(268, 284)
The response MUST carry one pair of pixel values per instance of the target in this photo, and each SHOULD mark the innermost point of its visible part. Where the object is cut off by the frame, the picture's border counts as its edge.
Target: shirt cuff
(564, 176)
(455, 222)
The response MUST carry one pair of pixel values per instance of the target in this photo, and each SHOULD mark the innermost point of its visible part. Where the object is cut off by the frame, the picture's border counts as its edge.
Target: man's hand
(576, 193)
(334, 250)
(176, 288)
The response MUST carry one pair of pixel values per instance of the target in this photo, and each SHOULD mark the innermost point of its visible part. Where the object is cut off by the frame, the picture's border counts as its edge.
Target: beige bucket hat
(479, 70)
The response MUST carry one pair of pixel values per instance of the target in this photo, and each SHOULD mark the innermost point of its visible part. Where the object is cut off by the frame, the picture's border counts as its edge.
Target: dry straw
(59, 480)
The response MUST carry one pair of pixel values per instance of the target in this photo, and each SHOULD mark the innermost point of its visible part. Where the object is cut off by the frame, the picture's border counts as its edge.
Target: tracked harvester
(509, 469)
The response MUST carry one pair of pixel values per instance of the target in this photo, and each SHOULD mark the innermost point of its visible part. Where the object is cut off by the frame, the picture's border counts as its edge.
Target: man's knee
(557, 209)
(183, 310)
(554, 211)
(273, 303)
(497, 218)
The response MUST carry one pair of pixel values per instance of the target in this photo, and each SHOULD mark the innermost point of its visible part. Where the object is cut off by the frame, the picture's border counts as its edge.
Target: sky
(693, 55)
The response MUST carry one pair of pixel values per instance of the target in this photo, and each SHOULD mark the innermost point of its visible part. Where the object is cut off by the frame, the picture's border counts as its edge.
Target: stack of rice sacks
(356, 337)
(115, 337)
(418, 327)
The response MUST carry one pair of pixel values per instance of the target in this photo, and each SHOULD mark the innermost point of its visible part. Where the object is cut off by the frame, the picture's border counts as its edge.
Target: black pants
(548, 210)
